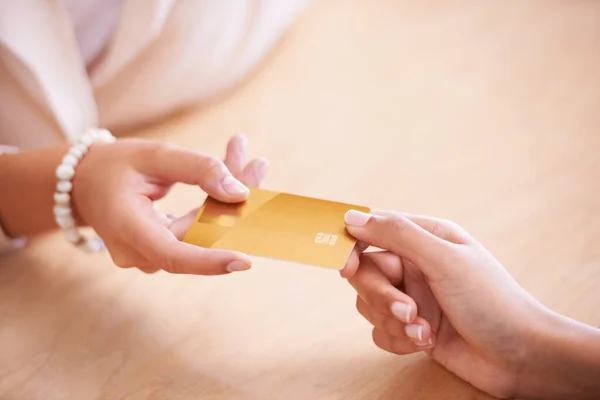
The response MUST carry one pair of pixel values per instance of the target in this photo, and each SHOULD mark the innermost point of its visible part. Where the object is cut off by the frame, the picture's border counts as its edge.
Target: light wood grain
(484, 112)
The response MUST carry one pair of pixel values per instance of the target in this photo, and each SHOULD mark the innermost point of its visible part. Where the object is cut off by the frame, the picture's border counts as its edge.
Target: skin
(432, 288)
(462, 308)
(114, 188)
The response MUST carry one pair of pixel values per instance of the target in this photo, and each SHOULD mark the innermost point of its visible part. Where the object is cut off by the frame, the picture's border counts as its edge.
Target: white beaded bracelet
(65, 172)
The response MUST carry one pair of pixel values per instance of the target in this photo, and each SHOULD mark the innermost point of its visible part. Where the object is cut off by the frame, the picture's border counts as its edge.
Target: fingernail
(401, 311)
(356, 218)
(428, 343)
(414, 331)
(233, 186)
(237, 265)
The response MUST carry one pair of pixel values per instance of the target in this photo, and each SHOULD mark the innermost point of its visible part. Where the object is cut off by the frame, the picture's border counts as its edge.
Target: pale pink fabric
(161, 56)
(94, 22)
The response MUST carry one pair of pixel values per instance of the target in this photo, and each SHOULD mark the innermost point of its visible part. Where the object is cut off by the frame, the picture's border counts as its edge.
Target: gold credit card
(277, 225)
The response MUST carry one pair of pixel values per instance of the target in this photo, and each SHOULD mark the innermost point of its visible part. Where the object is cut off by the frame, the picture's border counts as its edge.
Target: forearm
(27, 186)
(564, 363)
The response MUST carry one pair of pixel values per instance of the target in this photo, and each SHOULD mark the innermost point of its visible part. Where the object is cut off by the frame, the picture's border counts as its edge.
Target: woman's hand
(436, 289)
(115, 187)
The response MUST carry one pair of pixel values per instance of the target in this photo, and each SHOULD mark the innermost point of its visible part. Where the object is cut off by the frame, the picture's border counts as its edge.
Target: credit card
(277, 225)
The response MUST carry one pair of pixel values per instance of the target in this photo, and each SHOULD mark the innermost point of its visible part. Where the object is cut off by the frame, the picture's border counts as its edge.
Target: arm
(564, 362)
(464, 310)
(114, 190)
(27, 184)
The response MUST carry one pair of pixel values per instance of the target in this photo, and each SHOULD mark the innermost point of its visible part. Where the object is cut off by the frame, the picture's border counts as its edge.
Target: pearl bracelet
(65, 172)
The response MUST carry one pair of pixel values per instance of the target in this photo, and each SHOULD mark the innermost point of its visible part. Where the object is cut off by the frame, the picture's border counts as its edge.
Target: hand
(115, 187)
(436, 289)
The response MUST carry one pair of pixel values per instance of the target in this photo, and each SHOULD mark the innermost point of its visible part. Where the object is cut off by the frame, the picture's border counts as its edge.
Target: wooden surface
(485, 112)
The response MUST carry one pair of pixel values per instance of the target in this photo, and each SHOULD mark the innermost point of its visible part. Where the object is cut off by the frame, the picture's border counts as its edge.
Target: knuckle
(370, 298)
(364, 260)
(436, 229)
(212, 166)
(385, 296)
(450, 225)
(396, 224)
(457, 228)
(165, 262)
(157, 151)
(380, 298)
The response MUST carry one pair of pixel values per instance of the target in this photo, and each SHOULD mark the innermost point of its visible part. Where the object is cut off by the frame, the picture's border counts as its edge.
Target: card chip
(326, 239)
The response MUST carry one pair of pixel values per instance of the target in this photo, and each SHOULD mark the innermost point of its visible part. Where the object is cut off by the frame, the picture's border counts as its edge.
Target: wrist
(562, 361)
(66, 214)
(87, 178)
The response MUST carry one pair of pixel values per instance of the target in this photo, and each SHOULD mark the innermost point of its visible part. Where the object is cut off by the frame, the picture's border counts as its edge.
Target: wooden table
(485, 112)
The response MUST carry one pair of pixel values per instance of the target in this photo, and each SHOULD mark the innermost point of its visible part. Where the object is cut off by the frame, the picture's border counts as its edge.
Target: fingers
(442, 228)
(126, 257)
(379, 291)
(419, 332)
(163, 250)
(255, 172)
(389, 264)
(395, 336)
(392, 326)
(413, 336)
(405, 343)
(179, 226)
(403, 237)
(235, 156)
(354, 260)
(182, 258)
(252, 174)
(174, 164)
(393, 314)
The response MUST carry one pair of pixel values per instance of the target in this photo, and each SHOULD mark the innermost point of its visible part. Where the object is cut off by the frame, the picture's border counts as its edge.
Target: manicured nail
(414, 331)
(237, 265)
(233, 186)
(429, 343)
(401, 311)
(356, 218)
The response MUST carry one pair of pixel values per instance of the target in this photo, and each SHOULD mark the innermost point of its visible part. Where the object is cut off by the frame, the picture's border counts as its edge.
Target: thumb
(401, 236)
(174, 164)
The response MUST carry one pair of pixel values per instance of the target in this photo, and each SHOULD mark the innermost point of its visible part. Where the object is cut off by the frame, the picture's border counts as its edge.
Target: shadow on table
(63, 334)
